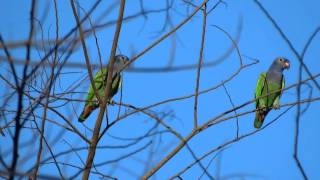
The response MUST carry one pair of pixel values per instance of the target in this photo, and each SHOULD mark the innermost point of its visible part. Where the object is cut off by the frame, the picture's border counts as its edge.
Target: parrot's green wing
(267, 102)
(99, 82)
(260, 86)
(260, 102)
(91, 100)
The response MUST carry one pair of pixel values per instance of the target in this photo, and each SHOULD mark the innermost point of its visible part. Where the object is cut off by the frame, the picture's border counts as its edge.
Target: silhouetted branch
(43, 80)
(233, 106)
(237, 139)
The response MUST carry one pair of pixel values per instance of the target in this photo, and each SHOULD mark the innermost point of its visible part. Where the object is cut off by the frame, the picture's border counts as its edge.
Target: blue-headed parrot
(100, 81)
(268, 82)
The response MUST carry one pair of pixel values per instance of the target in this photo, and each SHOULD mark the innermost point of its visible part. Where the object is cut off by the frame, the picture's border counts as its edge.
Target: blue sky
(266, 155)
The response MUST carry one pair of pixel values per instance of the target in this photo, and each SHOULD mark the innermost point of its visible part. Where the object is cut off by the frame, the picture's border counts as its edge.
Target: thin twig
(297, 128)
(233, 106)
(195, 107)
(166, 35)
(85, 52)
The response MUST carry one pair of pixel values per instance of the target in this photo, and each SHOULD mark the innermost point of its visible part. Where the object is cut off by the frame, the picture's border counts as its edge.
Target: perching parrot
(100, 81)
(267, 83)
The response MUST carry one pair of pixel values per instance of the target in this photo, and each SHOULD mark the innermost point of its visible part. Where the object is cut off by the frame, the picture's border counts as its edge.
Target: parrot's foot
(276, 106)
(2, 133)
(111, 102)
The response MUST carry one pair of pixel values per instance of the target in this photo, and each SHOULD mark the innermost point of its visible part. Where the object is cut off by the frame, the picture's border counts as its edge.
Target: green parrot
(100, 81)
(267, 83)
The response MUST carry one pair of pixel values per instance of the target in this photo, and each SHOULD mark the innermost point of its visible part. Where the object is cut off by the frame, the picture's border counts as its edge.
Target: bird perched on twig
(100, 81)
(268, 83)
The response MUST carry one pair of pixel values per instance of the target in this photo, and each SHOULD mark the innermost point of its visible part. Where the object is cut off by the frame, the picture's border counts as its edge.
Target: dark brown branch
(103, 105)
(85, 52)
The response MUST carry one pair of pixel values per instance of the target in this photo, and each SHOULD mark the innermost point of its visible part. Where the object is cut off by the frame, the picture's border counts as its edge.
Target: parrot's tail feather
(81, 119)
(85, 113)
(258, 121)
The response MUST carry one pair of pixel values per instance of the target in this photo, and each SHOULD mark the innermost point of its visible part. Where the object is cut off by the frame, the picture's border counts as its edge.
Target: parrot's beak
(286, 64)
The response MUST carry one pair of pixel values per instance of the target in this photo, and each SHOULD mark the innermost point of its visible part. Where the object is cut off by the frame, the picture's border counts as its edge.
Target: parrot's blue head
(280, 64)
(119, 63)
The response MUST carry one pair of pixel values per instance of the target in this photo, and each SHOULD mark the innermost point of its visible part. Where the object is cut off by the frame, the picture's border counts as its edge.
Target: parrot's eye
(280, 59)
